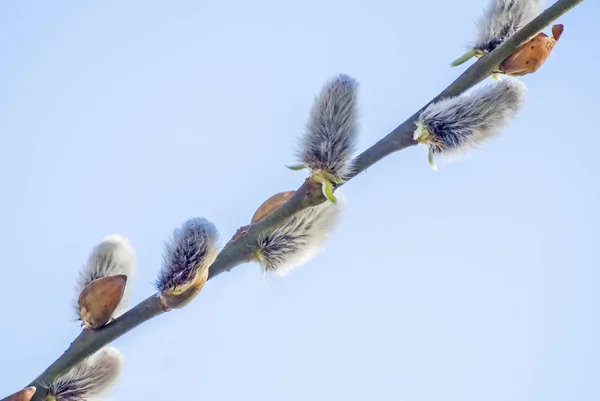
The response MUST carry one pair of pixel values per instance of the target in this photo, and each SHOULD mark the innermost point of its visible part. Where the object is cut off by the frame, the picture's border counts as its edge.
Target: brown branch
(241, 249)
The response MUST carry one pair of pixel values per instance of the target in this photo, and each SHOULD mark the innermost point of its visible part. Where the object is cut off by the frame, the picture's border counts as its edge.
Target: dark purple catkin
(329, 140)
(187, 257)
(90, 379)
(298, 239)
(454, 126)
(501, 20)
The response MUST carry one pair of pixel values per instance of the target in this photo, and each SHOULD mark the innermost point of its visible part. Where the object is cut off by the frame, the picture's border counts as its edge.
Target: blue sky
(476, 282)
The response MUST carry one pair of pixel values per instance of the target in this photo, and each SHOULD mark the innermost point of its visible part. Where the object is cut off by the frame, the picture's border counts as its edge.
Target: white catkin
(300, 238)
(193, 246)
(502, 19)
(329, 140)
(91, 379)
(114, 255)
(460, 124)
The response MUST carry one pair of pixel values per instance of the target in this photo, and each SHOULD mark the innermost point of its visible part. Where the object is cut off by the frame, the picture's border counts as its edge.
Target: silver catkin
(114, 255)
(459, 124)
(329, 140)
(192, 247)
(300, 238)
(90, 379)
(502, 19)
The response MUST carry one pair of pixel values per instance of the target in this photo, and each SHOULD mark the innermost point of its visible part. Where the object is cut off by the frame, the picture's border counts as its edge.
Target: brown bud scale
(22, 395)
(99, 300)
(270, 205)
(531, 56)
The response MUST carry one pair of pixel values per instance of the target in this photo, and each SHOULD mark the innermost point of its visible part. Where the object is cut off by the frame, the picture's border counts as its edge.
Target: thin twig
(240, 250)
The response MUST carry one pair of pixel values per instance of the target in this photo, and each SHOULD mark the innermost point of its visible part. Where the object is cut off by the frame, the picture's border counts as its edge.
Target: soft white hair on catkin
(300, 238)
(460, 124)
(90, 379)
(114, 255)
(502, 19)
(329, 139)
(193, 246)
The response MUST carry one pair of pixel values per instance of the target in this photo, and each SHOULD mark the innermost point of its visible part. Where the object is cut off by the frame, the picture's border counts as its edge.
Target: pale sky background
(476, 282)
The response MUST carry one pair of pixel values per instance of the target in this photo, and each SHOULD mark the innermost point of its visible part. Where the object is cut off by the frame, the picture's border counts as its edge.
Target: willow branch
(240, 249)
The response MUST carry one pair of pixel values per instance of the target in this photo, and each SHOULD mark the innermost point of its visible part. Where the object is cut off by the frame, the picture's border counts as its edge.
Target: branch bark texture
(240, 249)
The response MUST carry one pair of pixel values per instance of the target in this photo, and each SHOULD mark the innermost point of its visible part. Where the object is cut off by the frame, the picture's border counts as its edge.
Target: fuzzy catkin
(90, 379)
(299, 238)
(502, 19)
(193, 247)
(459, 124)
(329, 140)
(114, 255)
